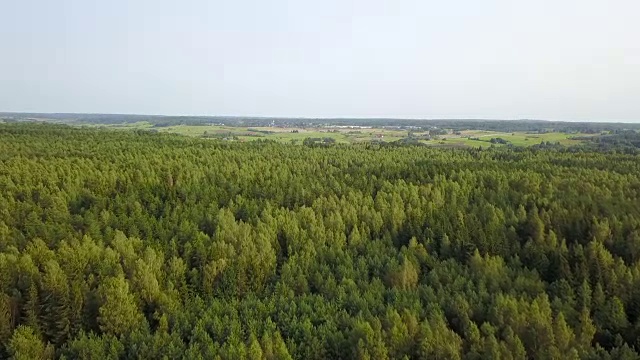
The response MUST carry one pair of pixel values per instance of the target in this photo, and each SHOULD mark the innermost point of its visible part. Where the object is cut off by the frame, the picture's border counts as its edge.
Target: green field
(283, 135)
(483, 138)
(469, 138)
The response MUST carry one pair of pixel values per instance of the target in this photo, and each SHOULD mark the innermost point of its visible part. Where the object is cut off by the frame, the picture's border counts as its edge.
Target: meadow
(346, 135)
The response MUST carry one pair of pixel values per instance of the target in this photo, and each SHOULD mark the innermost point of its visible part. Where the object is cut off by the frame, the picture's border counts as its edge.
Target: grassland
(469, 138)
(483, 138)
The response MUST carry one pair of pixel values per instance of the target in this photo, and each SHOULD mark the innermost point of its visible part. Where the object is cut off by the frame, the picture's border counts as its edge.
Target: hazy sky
(562, 59)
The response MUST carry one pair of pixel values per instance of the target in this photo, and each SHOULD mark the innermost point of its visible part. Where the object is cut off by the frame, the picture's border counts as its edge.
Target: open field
(345, 135)
(483, 138)
(284, 135)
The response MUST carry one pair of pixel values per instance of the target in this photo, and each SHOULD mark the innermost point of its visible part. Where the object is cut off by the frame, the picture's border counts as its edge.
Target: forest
(133, 244)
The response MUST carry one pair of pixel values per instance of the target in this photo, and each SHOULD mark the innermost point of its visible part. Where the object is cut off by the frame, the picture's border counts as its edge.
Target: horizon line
(322, 117)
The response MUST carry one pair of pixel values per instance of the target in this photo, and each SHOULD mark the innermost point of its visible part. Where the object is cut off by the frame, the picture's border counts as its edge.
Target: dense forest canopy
(141, 245)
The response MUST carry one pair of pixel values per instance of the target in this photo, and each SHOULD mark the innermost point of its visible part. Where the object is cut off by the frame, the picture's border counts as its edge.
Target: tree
(94, 347)
(55, 303)
(119, 313)
(6, 326)
(437, 341)
(404, 275)
(585, 331)
(564, 336)
(25, 345)
(254, 351)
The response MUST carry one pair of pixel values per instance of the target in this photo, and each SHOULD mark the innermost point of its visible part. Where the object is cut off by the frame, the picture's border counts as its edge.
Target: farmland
(355, 134)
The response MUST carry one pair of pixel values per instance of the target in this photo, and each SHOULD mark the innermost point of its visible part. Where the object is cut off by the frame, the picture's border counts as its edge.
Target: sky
(575, 60)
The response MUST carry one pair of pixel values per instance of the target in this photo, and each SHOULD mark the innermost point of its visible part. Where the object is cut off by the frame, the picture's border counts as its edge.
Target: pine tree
(26, 345)
(119, 313)
(585, 331)
(254, 351)
(31, 309)
(55, 304)
(6, 327)
(564, 337)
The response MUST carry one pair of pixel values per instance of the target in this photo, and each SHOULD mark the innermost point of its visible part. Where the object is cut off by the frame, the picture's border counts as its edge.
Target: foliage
(148, 245)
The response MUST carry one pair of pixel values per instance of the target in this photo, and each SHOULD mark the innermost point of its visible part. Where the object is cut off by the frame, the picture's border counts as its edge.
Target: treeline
(142, 245)
(434, 126)
(622, 140)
